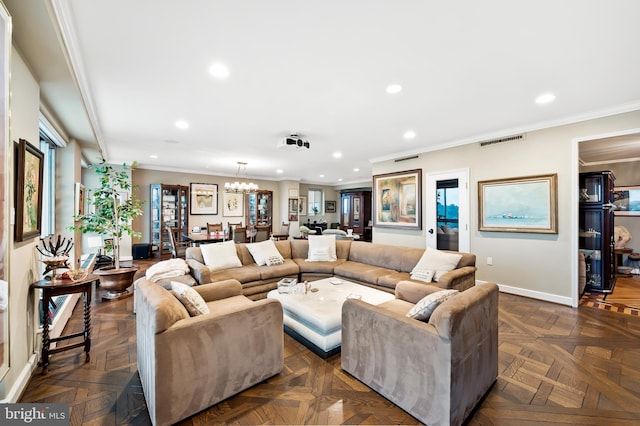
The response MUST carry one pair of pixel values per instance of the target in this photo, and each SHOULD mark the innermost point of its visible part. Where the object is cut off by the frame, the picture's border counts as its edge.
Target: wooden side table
(57, 288)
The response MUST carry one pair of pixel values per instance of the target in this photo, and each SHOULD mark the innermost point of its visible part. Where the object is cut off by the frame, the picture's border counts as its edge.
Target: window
(314, 202)
(49, 185)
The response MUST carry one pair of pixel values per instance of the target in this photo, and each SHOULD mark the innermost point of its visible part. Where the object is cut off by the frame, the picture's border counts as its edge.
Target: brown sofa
(187, 364)
(445, 365)
(380, 266)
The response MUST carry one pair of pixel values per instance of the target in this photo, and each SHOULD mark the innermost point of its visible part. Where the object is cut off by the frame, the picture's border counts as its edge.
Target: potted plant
(111, 215)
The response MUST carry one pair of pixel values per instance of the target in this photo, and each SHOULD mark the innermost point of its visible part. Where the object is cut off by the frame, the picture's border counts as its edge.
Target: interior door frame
(462, 175)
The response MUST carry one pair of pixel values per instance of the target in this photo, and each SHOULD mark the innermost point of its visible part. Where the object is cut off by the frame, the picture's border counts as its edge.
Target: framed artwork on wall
(330, 206)
(626, 200)
(233, 205)
(521, 204)
(302, 205)
(204, 198)
(29, 174)
(79, 199)
(398, 200)
(293, 209)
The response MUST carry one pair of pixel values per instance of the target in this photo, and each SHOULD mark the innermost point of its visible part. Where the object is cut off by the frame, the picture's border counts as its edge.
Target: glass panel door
(447, 209)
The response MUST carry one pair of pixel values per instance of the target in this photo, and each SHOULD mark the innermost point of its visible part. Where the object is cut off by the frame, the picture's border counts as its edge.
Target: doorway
(447, 205)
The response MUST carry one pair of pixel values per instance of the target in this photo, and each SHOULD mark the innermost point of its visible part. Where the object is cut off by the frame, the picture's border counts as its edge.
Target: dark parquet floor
(557, 366)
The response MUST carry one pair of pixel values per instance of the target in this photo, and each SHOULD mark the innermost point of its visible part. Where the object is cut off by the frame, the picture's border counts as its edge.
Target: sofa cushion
(424, 308)
(219, 256)
(190, 298)
(435, 260)
(287, 268)
(397, 258)
(318, 267)
(322, 248)
(244, 274)
(263, 251)
(361, 272)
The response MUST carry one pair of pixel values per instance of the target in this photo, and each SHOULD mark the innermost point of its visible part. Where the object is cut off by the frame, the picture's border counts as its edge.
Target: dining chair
(262, 233)
(239, 234)
(214, 227)
(231, 226)
(283, 234)
(177, 248)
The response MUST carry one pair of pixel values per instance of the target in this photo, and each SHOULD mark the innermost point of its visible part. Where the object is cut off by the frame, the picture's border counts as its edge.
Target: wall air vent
(397, 160)
(505, 139)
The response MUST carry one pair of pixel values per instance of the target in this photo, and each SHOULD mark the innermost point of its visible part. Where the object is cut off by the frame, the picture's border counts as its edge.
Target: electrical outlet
(489, 261)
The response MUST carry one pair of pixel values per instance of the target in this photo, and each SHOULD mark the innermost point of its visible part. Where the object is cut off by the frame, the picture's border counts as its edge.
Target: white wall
(23, 270)
(535, 265)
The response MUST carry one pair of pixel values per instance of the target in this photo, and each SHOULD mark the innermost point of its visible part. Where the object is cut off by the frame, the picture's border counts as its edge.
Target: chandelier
(241, 187)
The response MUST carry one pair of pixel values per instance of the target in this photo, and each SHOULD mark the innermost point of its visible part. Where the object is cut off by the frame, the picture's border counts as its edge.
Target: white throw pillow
(322, 248)
(438, 261)
(190, 298)
(219, 256)
(264, 250)
(424, 308)
(426, 276)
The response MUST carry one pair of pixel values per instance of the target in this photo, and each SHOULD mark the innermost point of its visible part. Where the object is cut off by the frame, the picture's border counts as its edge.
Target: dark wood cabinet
(596, 239)
(169, 206)
(259, 211)
(355, 212)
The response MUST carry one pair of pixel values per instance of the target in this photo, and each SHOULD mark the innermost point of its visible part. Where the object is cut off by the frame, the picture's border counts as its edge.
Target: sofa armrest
(412, 292)
(219, 290)
(199, 271)
(459, 279)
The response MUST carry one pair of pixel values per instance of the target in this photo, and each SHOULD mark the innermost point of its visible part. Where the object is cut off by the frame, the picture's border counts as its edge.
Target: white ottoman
(315, 318)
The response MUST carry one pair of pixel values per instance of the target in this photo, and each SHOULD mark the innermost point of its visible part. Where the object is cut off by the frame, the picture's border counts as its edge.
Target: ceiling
(320, 69)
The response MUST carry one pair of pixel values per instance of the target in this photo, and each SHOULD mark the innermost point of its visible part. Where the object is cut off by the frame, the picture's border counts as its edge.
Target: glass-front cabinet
(355, 212)
(596, 220)
(259, 209)
(169, 209)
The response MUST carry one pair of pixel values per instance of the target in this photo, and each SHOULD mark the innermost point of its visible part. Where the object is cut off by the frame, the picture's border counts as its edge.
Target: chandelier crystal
(239, 187)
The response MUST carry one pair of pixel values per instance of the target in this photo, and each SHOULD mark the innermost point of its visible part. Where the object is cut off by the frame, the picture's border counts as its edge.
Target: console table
(57, 288)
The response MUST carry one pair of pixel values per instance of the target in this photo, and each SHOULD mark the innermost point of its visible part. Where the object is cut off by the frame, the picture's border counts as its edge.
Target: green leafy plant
(114, 206)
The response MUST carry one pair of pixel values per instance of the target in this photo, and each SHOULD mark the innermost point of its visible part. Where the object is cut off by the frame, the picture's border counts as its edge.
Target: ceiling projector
(293, 142)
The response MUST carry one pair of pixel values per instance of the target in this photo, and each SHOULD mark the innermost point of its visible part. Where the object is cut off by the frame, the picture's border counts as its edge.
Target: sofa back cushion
(300, 248)
(398, 258)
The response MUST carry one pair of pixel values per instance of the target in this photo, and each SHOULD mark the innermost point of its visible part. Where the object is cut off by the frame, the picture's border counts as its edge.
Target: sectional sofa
(380, 266)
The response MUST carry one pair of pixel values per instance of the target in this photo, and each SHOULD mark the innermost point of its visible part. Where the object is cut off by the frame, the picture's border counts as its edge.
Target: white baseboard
(20, 385)
(532, 294)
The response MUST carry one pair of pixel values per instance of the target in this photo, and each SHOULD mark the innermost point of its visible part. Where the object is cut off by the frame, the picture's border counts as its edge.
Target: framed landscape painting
(29, 174)
(204, 198)
(522, 204)
(397, 200)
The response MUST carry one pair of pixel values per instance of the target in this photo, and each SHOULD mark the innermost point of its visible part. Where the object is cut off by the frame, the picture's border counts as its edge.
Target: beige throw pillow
(424, 308)
(190, 298)
(219, 256)
(437, 261)
(263, 251)
(322, 248)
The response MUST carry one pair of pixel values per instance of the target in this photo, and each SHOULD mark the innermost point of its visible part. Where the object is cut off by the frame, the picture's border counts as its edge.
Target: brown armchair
(437, 370)
(187, 364)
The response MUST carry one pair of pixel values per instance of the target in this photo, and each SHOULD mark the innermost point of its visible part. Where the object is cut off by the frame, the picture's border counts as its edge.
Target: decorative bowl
(76, 275)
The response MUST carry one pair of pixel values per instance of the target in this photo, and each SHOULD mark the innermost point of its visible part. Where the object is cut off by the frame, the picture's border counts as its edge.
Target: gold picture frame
(521, 204)
(397, 200)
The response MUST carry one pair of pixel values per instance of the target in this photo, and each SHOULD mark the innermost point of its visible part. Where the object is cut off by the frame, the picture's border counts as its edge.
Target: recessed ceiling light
(337, 154)
(356, 169)
(545, 98)
(409, 134)
(279, 171)
(181, 124)
(339, 179)
(154, 156)
(219, 70)
(321, 176)
(394, 88)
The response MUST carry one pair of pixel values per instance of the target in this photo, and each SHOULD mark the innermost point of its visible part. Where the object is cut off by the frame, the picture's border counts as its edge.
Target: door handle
(431, 231)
